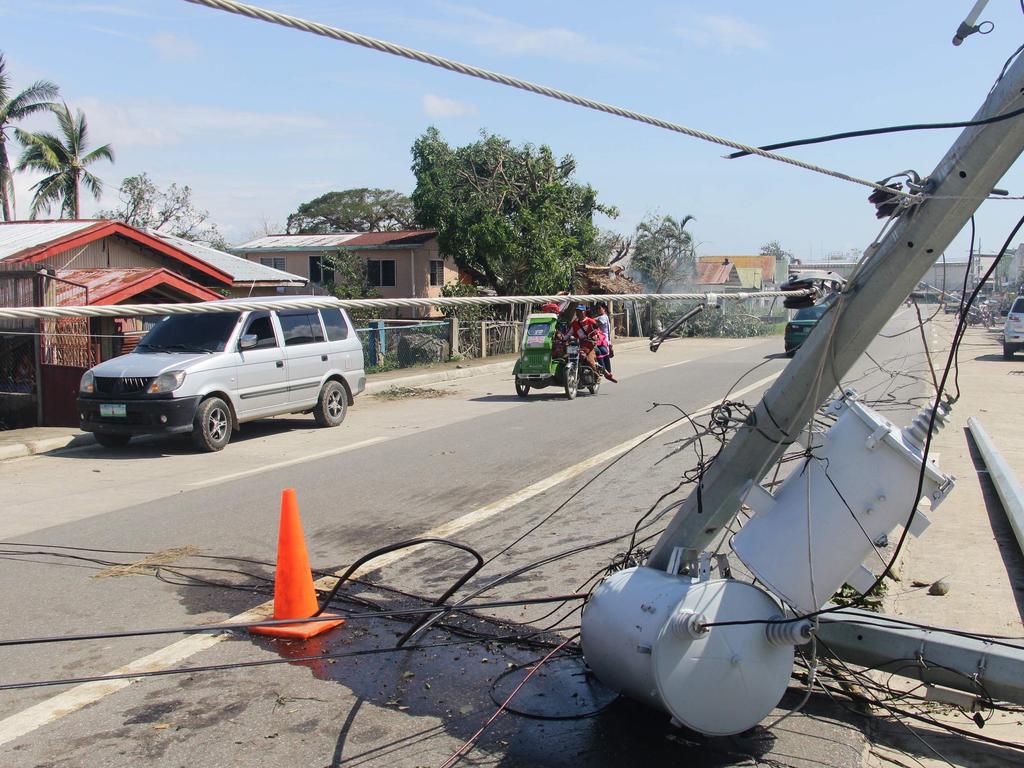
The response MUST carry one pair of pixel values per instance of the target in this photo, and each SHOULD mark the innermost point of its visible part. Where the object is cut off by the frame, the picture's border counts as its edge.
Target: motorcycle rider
(589, 334)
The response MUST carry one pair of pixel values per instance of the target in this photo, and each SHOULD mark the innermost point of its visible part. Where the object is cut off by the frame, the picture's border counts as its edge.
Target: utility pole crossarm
(961, 181)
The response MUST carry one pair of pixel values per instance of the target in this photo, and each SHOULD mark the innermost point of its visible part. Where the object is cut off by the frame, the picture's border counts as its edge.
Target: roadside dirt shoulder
(971, 548)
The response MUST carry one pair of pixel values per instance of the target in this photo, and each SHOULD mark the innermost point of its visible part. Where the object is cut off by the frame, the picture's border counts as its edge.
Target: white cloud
(109, 31)
(172, 47)
(513, 38)
(154, 125)
(439, 106)
(108, 9)
(728, 33)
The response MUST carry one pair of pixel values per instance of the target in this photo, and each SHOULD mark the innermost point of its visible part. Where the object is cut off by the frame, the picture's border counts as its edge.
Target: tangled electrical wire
(461, 620)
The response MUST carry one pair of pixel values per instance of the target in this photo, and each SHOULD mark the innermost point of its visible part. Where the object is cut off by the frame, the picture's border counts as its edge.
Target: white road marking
(673, 365)
(289, 462)
(52, 709)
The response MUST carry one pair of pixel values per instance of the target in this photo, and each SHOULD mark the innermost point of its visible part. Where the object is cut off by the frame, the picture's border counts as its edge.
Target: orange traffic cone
(294, 596)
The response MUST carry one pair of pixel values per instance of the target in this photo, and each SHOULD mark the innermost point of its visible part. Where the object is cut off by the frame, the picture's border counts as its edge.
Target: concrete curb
(435, 377)
(46, 445)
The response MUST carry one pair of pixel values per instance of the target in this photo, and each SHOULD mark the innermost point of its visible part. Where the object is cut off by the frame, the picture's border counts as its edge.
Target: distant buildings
(400, 265)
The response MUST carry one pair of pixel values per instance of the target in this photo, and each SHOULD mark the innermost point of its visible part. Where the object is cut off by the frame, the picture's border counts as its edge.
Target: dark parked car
(800, 326)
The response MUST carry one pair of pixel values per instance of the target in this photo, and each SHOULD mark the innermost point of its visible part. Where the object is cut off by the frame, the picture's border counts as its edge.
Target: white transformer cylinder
(826, 522)
(643, 635)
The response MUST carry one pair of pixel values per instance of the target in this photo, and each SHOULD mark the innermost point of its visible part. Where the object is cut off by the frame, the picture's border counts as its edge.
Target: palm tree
(64, 162)
(663, 252)
(33, 99)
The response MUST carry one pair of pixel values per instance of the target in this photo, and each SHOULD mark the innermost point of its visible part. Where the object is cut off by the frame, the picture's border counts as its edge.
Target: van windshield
(190, 333)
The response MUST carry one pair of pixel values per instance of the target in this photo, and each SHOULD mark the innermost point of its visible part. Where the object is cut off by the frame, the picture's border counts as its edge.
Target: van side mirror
(248, 341)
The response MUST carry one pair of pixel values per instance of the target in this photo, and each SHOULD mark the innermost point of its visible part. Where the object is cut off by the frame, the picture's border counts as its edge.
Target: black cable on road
(247, 664)
(284, 622)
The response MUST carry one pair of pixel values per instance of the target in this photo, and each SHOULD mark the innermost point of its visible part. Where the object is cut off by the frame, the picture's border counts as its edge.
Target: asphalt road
(476, 462)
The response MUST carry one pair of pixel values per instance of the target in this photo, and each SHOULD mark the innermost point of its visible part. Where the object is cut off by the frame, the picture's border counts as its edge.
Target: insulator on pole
(916, 433)
(781, 632)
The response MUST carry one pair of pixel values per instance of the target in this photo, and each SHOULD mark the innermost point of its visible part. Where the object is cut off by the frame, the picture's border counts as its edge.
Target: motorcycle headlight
(88, 383)
(166, 382)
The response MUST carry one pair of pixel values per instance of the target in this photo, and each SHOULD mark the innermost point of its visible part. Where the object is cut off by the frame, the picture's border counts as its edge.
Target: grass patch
(406, 393)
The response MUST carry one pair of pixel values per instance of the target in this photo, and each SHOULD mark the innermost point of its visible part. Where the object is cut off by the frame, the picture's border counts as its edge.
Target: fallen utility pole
(1002, 477)
(956, 188)
(711, 651)
(983, 668)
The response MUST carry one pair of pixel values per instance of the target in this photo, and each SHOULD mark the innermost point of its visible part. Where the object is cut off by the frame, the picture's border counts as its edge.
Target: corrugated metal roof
(18, 236)
(713, 274)
(407, 236)
(241, 270)
(273, 242)
(104, 283)
(335, 240)
(765, 263)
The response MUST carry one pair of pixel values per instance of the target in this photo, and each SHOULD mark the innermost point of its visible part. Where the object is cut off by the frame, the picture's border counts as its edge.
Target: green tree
(609, 248)
(513, 217)
(775, 250)
(36, 98)
(351, 278)
(144, 205)
(663, 252)
(354, 210)
(65, 160)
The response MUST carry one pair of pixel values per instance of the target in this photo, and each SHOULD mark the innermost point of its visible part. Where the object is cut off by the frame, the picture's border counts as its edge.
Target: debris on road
(405, 393)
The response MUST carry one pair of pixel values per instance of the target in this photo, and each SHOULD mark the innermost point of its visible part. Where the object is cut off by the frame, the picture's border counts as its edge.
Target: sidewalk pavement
(15, 443)
(971, 547)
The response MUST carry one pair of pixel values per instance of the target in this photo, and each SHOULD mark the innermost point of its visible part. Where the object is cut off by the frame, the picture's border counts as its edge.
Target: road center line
(289, 462)
(673, 365)
(74, 699)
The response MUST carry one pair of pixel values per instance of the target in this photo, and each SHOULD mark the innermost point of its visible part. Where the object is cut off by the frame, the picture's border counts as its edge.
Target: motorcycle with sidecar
(548, 360)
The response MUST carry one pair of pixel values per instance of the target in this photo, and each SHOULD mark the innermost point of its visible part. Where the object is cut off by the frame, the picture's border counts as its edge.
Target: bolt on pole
(959, 184)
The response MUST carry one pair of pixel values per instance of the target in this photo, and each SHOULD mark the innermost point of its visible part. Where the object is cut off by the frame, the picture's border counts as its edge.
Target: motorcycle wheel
(522, 389)
(593, 388)
(572, 380)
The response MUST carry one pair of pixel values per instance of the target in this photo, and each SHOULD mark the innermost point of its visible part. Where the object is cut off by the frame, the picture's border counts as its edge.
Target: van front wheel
(331, 407)
(211, 426)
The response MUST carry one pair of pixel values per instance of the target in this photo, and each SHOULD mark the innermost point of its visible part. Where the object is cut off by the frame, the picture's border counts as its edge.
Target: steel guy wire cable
(243, 305)
(354, 38)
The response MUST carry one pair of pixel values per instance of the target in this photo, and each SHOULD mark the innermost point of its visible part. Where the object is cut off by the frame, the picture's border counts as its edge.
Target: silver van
(209, 373)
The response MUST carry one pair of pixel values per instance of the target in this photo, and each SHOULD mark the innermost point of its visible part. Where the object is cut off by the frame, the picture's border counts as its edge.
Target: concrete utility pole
(959, 184)
(936, 657)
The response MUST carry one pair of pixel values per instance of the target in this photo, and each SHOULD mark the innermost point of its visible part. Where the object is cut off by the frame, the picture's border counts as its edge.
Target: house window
(319, 273)
(274, 262)
(436, 272)
(381, 272)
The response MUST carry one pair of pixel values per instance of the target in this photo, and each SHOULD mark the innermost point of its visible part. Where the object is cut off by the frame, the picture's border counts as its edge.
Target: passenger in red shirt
(587, 330)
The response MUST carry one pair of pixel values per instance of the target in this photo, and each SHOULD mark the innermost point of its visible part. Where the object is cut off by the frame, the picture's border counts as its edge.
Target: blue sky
(257, 119)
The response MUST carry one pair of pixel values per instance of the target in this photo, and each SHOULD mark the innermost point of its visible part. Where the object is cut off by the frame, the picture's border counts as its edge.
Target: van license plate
(113, 410)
